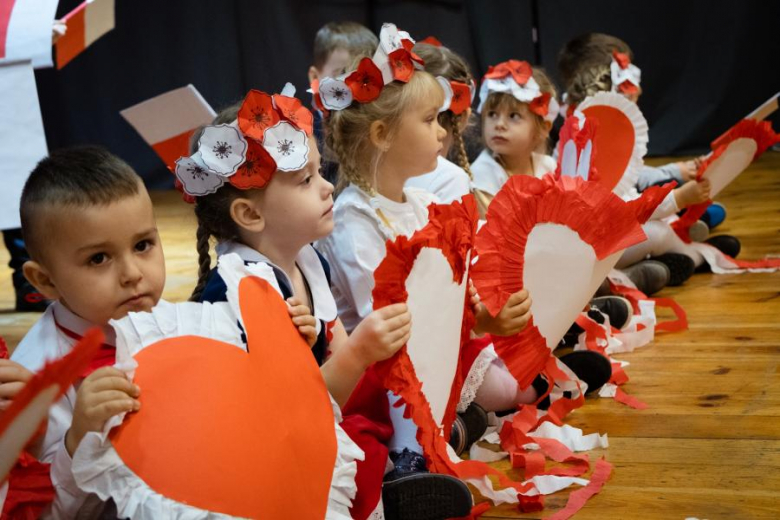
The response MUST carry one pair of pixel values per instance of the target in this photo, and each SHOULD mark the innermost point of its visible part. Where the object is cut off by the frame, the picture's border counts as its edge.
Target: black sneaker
(589, 366)
(410, 492)
(468, 428)
(617, 308)
(726, 244)
(649, 276)
(681, 267)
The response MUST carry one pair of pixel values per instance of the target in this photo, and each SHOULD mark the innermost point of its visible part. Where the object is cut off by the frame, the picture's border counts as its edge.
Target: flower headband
(394, 60)
(270, 134)
(458, 96)
(516, 78)
(625, 75)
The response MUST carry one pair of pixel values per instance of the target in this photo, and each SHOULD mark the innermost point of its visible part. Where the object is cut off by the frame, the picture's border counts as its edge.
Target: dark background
(705, 64)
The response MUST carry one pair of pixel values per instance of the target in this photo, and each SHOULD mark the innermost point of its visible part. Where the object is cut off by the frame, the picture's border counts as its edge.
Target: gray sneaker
(699, 231)
(649, 276)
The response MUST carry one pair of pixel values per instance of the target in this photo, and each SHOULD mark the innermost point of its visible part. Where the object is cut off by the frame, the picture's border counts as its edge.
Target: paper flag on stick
(221, 430)
(26, 30)
(167, 121)
(766, 109)
(85, 24)
(558, 239)
(743, 144)
(20, 422)
(621, 139)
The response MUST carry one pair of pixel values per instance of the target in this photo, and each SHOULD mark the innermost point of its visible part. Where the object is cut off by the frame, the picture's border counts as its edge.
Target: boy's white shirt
(45, 342)
(356, 246)
(449, 182)
(490, 176)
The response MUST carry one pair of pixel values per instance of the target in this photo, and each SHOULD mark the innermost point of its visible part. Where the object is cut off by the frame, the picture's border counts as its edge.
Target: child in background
(595, 62)
(335, 46)
(451, 179)
(90, 229)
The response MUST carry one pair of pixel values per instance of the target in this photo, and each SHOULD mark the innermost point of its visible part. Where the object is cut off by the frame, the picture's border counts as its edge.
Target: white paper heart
(436, 305)
(561, 274)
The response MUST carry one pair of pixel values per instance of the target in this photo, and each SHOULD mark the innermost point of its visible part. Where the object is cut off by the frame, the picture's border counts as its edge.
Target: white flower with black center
(222, 149)
(288, 146)
(335, 94)
(195, 177)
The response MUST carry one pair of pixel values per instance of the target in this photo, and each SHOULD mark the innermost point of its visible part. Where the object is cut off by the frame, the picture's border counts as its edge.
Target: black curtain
(704, 64)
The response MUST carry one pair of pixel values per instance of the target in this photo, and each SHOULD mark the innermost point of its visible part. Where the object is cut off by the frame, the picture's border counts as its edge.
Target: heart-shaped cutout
(620, 139)
(558, 238)
(223, 430)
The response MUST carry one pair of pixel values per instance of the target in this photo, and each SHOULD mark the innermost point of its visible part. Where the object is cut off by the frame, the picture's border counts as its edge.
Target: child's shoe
(681, 267)
(617, 308)
(410, 492)
(590, 367)
(468, 428)
(714, 216)
(726, 244)
(649, 276)
(698, 232)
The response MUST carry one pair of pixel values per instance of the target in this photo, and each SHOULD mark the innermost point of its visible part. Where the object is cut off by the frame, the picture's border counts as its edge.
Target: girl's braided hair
(584, 65)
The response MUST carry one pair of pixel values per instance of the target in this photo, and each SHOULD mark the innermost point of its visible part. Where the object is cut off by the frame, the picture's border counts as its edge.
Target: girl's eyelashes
(144, 245)
(306, 180)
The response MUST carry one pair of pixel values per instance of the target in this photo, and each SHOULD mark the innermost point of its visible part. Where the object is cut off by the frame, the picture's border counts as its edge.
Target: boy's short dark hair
(352, 36)
(77, 177)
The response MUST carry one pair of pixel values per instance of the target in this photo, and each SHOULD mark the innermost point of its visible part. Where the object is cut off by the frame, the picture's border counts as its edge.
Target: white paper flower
(195, 177)
(390, 37)
(222, 149)
(335, 94)
(525, 93)
(447, 88)
(287, 145)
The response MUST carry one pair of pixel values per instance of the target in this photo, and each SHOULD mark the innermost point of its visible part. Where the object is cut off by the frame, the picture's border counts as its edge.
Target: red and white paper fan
(224, 428)
(29, 409)
(558, 238)
(621, 139)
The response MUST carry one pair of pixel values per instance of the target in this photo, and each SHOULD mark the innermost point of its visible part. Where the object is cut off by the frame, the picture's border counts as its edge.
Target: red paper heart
(228, 431)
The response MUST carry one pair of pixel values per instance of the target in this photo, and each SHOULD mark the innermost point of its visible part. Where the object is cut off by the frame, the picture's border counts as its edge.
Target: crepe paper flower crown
(516, 78)
(270, 134)
(625, 75)
(458, 96)
(393, 60)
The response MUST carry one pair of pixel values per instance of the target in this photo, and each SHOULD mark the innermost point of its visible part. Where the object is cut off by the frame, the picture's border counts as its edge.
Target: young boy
(95, 251)
(335, 47)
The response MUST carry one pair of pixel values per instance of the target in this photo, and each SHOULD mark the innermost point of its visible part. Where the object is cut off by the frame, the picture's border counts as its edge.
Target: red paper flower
(366, 82)
(401, 64)
(461, 97)
(432, 40)
(627, 88)
(256, 114)
(256, 171)
(292, 110)
(317, 98)
(409, 46)
(622, 59)
(520, 71)
(540, 105)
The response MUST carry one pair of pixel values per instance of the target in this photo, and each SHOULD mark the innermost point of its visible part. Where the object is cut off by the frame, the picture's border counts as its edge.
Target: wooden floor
(708, 446)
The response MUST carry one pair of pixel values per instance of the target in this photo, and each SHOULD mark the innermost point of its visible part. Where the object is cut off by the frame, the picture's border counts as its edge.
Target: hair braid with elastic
(204, 261)
(460, 145)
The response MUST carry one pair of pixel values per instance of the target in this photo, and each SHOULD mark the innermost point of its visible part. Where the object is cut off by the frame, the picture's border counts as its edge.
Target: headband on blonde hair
(516, 78)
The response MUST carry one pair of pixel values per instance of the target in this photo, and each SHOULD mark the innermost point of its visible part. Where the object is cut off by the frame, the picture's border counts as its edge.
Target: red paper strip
(577, 499)
(629, 400)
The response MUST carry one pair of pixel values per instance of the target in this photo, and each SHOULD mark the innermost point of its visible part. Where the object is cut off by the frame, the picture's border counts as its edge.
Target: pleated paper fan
(224, 430)
(621, 139)
(22, 420)
(737, 148)
(558, 238)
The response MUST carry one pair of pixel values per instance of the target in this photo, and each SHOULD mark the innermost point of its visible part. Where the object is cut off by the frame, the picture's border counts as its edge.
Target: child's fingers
(294, 301)
(299, 310)
(396, 335)
(4, 404)
(306, 319)
(516, 298)
(392, 310)
(115, 383)
(104, 372)
(9, 390)
(13, 372)
(106, 410)
(308, 331)
(399, 321)
(518, 310)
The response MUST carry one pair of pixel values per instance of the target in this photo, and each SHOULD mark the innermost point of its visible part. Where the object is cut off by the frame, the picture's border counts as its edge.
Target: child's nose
(131, 273)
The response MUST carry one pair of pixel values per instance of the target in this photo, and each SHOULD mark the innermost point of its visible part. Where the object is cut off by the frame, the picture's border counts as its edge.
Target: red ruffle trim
(30, 490)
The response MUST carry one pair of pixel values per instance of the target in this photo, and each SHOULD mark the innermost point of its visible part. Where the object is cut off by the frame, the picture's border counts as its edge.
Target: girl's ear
(378, 132)
(247, 215)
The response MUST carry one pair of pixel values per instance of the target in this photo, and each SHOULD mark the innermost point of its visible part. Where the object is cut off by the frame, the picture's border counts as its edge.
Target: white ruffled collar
(308, 262)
